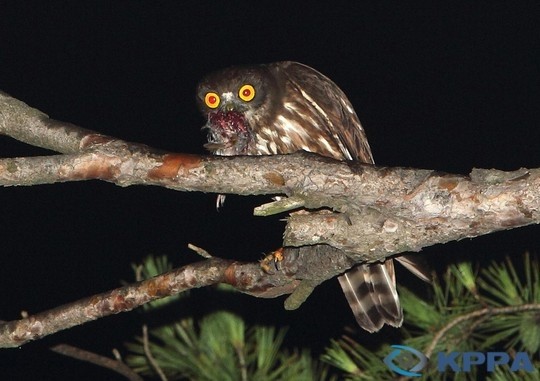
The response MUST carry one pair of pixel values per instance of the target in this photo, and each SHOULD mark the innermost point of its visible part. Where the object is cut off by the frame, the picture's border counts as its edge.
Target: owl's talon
(272, 262)
(220, 200)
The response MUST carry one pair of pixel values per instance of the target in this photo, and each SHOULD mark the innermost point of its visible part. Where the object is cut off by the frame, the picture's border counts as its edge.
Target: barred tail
(371, 292)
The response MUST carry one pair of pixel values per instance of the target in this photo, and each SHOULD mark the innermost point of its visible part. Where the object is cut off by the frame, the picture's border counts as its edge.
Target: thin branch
(474, 315)
(200, 251)
(241, 362)
(245, 277)
(18, 332)
(149, 356)
(105, 362)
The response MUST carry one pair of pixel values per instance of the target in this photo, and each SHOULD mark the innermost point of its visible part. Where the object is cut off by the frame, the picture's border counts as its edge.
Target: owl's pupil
(246, 92)
(212, 99)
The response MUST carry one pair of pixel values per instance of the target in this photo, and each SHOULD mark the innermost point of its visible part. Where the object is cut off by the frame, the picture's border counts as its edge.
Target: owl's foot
(282, 259)
(272, 262)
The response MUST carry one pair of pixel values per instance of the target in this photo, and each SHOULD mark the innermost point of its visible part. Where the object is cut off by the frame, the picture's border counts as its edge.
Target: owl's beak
(229, 106)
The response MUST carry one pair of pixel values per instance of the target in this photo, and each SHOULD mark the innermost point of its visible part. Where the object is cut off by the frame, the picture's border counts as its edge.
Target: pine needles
(495, 309)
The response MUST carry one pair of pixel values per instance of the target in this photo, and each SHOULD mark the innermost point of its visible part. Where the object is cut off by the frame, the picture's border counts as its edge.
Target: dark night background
(446, 87)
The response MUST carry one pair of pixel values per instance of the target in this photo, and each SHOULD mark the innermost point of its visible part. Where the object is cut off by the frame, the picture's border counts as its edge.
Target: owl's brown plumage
(285, 107)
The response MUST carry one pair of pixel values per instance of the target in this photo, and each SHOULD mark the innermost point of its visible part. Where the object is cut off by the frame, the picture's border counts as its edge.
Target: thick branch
(442, 208)
(32, 126)
(392, 210)
(386, 210)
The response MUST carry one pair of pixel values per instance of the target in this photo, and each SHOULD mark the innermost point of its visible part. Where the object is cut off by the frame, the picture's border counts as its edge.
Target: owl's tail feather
(371, 292)
(417, 266)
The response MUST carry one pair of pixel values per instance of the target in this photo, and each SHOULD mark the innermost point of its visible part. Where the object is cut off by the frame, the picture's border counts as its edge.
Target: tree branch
(83, 355)
(400, 209)
(19, 332)
(478, 314)
(245, 277)
(370, 212)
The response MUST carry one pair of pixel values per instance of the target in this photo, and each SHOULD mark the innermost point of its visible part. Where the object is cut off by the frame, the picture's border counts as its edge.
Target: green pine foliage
(220, 347)
(495, 309)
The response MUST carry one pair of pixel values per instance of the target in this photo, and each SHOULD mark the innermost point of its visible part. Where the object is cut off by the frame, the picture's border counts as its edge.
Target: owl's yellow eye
(246, 93)
(211, 100)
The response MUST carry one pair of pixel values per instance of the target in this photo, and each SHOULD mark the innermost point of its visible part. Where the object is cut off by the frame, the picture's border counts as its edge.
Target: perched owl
(284, 107)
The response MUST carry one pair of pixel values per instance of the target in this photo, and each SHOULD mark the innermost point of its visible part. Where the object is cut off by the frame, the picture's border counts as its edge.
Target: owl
(285, 107)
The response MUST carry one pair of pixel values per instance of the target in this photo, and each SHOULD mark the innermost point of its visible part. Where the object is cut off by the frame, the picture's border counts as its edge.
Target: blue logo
(405, 356)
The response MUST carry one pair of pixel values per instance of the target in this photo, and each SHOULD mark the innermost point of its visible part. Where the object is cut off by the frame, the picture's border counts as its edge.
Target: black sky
(446, 87)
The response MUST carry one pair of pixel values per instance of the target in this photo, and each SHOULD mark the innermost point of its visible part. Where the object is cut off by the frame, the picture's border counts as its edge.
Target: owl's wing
(316, 97)
(370, 289)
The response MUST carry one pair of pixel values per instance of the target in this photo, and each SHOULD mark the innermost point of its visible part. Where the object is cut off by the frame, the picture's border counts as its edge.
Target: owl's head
(237, 89)
(236, 101)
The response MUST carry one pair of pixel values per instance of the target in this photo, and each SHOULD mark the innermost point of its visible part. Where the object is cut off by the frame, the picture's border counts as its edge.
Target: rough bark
(369, 212)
